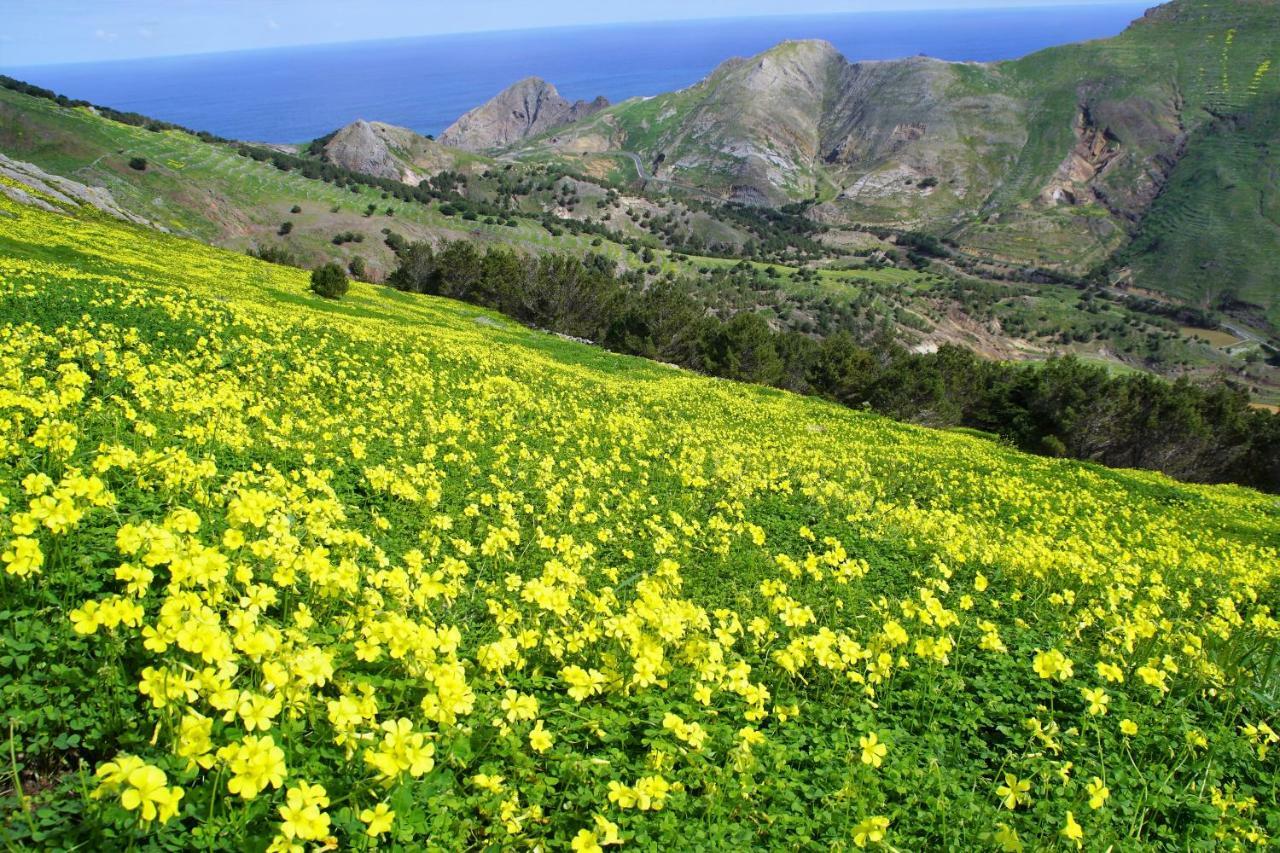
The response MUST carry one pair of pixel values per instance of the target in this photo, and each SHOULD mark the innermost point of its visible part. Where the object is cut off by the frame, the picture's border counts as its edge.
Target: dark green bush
(329, 281)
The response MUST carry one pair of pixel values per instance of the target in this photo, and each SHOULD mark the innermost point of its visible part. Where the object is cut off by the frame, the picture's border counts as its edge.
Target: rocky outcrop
(529, 108)
(361, 148)
(386, 151)
(1124, 150)
(48, 192)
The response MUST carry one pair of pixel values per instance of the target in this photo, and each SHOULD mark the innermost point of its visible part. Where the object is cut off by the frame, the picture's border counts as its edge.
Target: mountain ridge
(1055, 159)
(526, 108)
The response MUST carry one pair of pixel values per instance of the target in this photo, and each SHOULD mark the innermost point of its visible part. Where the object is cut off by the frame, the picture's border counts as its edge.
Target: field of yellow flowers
(286, 574)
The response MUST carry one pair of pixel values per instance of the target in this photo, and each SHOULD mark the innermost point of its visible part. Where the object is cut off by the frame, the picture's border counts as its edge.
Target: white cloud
(105, 35)
(272, 24)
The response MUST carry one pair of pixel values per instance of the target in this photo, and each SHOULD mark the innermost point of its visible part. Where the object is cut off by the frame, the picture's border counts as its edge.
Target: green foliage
(357, 268)
(329, 281)
(275, 255)
(450, 484)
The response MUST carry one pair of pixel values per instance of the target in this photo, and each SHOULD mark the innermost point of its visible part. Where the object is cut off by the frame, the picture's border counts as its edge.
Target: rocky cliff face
(909, 140)
(528, 108)
(756, 124)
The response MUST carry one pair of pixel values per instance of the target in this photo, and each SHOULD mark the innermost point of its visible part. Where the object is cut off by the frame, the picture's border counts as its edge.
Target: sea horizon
(294, 96)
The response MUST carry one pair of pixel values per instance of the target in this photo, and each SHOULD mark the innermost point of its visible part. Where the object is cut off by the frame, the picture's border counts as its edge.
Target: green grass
(1214, 233)
(761, 581)
(210, 192)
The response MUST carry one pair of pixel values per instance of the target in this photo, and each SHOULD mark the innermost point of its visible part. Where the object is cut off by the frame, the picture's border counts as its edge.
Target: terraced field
(1219, 216)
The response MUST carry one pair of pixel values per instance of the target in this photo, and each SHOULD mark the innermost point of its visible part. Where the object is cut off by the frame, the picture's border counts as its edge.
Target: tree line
(1064, 407)
(130, 118)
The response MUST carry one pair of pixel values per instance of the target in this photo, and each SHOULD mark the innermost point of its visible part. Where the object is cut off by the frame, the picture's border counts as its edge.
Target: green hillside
(1213, 235)
(210, 192)
(1188, 97)
(818, 280)
(1061, 159)
(396, 571)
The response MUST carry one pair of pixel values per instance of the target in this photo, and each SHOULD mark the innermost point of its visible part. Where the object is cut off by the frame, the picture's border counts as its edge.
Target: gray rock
(386, 151)
(360, 148)
(48, 191)
(528, 108)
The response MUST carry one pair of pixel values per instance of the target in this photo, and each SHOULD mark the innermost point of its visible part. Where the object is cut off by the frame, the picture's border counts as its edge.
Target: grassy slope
(1191, 61)
(1207, 59)
(1214, 234)
(454, 408)
(211, 193)
(203, 190)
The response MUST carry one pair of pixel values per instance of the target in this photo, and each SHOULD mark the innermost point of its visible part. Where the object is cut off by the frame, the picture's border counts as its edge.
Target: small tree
(357, 267)
(285, 228)
(329, 281)
(297, 208)
(139, 163)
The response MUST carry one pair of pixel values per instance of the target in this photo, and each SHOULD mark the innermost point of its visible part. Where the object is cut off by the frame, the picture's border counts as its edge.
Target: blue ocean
(297, 94)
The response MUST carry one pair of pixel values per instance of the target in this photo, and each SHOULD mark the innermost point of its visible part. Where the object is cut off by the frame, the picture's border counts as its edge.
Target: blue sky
(37, 32)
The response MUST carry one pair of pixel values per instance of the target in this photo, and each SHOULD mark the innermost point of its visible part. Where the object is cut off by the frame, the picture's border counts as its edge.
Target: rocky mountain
(385, 151)
(528, 108)
(1059, 159)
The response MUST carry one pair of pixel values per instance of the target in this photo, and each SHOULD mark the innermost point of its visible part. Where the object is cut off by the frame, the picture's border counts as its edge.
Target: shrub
(329, 281)
(285, 228)
(357, 267)
(139, 163)
(297, 208)
(275, 255)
